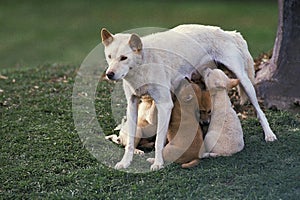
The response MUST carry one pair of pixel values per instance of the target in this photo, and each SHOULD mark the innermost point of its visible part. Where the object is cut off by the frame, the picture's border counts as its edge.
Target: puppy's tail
(190, 164)
(243, 95)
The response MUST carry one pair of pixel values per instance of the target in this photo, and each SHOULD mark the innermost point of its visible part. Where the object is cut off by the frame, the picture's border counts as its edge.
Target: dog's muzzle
(205, 123)
(110, 75)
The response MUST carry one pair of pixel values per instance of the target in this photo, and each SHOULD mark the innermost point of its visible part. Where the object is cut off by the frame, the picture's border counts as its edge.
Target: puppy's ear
(187, 79)
(220, 83)
(135, 43)
(233, 83)
(206, 72)
(106, 37)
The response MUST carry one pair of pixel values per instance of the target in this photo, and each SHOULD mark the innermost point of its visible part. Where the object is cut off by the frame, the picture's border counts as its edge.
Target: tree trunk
(278, 81)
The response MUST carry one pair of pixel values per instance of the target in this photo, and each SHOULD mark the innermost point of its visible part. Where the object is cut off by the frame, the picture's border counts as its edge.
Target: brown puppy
(146, 126)
(185, 135)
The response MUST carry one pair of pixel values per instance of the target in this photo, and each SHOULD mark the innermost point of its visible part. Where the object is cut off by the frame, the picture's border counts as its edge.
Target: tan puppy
(185, 135)
(225, 134)
(146, 126)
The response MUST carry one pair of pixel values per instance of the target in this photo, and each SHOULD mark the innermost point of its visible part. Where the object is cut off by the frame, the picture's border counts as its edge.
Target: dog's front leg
(132, 113)
(163, 118)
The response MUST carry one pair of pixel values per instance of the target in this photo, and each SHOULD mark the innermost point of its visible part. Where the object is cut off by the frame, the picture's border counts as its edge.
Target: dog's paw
(271, 137)
(150, 160)
(122, 165)
(139, 152)
(156, 166)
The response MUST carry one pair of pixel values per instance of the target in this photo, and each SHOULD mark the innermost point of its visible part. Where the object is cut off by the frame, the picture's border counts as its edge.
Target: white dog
(156, 63)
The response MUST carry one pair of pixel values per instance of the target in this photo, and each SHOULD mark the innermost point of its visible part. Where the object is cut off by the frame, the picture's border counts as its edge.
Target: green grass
(37, 32)
(42, 156)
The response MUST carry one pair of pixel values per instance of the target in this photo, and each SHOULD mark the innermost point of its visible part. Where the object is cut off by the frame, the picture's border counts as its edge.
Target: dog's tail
(190, 164)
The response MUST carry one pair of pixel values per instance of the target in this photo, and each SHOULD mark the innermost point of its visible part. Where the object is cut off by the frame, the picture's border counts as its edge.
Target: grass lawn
(41, 153)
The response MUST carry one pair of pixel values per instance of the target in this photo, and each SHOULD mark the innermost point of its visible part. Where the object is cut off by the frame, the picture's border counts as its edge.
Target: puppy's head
(192, 97)
(205, 108)
(216, 79)
(123, 52)
(189, 94)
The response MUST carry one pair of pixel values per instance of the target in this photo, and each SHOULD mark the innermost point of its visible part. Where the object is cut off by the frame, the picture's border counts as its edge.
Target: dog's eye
(109, 56)
(188, 98)
(123, 58)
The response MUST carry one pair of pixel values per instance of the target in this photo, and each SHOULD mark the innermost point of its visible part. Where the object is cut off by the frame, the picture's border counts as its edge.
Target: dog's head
(123, 52)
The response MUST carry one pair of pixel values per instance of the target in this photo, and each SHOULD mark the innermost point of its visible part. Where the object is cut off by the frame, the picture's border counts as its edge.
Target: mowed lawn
(37, 32)
(41, 153)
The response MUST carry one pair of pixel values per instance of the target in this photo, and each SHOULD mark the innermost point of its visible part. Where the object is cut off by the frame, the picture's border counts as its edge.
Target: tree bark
(278, 81)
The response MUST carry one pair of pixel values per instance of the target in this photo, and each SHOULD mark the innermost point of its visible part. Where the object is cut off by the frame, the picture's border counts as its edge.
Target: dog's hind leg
(241, 64)
(250, 91)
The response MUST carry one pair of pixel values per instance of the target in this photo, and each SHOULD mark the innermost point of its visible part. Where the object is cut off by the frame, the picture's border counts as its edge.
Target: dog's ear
(233, 83)
(106, 37)
(135, 43)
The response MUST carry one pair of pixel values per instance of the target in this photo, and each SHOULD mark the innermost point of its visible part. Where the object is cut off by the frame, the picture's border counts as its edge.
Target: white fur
(164, 59)
(225, 134)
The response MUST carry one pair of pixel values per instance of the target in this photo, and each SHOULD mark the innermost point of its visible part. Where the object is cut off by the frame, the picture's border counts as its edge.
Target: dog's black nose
(110, 75)
(205, 123)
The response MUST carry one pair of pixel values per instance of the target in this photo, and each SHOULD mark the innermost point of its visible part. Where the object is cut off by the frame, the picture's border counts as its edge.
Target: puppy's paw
(156, 166)
(122, 165)
(213, 155)
(150, 160)
(207, 155)
(109, 137)
(114, 138)
(137, 151)
(271, 137)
